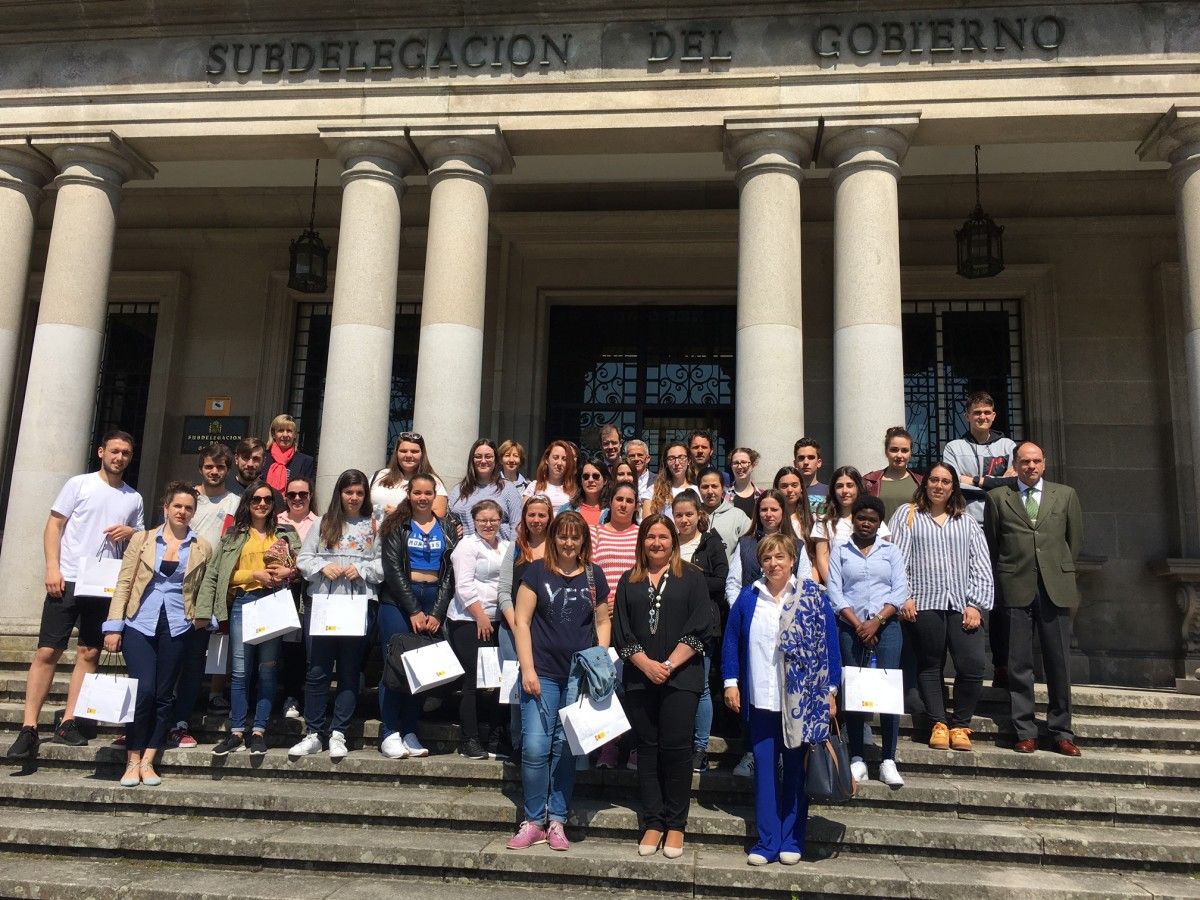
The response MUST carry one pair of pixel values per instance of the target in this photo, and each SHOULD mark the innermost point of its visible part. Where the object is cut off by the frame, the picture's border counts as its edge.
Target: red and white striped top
(614, 552)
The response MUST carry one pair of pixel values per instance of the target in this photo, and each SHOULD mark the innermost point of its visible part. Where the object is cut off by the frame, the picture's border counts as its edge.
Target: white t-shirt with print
(90, 506)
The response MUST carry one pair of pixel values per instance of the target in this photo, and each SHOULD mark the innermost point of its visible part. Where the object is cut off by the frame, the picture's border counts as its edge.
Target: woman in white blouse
(833, 529)
(389, 486)
(471, 621)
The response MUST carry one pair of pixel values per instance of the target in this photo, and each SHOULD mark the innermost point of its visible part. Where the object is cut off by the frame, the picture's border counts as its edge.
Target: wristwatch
(670, 666)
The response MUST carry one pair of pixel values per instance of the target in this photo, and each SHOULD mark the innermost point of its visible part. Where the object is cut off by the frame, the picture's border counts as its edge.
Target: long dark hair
(470, 483)
(333, 523)
(956, 504)
(402, 514)
(833, 507)
(785, 527)
(394, 473)
(641, 565)
(637, 504)
(241, 517)
(605, 483)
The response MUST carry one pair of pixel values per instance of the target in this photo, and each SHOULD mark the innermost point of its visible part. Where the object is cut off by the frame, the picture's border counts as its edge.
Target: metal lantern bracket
(980, 241)
(308, 266)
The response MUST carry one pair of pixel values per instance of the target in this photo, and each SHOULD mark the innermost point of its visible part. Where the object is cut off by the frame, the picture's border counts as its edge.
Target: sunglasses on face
(255, 501)
(297, 495)
(592, 476)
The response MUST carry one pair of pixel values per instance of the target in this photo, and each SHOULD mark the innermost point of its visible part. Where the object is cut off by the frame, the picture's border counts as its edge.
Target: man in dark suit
(1036, 532)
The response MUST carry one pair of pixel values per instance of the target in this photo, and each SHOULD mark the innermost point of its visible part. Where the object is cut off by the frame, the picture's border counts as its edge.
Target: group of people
(700, 580)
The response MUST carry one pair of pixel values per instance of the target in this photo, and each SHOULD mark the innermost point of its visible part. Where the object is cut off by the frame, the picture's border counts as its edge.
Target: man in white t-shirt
(215, 501)
(93, 517)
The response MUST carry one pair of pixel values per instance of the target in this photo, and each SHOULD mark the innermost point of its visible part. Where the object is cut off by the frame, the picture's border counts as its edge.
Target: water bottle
(873, 663)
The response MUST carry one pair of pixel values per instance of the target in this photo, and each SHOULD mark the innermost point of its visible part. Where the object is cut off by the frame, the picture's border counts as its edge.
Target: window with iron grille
(123, 389)
(310, 355)
(656, 372)
(951, 348)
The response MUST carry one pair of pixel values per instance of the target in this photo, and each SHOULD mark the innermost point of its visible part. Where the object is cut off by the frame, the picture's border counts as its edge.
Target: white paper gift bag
(269, 617)
(487, 668)
(107, 698)
(872, 690)
(338, 615)
(510, 682)
(217, 660)
(589, 725)
(97, 577)
(430, 666)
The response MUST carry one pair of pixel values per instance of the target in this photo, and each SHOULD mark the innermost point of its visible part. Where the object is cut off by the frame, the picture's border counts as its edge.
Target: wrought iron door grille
(310, 356)
(953, 347)
(656, 372)
(123, 388)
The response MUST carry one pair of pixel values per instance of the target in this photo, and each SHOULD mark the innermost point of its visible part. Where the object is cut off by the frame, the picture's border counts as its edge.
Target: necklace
(656, 595)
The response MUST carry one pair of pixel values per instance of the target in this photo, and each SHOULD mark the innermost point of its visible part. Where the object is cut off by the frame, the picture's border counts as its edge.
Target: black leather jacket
(397, 588)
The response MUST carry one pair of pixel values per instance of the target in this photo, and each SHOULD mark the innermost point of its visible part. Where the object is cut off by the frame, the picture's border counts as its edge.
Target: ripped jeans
(247, 658)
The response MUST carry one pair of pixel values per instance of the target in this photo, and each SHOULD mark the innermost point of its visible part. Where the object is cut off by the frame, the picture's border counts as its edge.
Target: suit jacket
(1021, 550)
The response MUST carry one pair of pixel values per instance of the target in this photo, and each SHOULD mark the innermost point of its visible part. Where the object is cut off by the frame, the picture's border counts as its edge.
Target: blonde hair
(773, 543)
(280, 421)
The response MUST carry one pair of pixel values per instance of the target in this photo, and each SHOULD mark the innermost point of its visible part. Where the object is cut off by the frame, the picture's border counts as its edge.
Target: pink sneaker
(608, 756)
(527, 835)
(556, 837)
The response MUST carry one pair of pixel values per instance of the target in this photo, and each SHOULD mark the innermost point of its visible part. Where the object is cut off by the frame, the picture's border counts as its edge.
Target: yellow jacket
(137, 570)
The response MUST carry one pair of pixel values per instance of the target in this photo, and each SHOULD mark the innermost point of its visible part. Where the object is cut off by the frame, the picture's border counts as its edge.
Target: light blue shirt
(866, 583)
(163, 592)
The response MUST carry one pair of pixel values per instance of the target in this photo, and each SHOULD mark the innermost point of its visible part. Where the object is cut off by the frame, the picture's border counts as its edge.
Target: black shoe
(26, 744)
(68, 733)
(499, 746)
(232, 744)
(699, 761)
(258, 745)
(471, 750)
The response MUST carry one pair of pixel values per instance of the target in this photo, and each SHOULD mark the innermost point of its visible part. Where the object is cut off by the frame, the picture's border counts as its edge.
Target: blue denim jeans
(547, 764)
(401, 712)
(154, 662)
(508, 651)
(704, 711)
(325, 654)
(191, 674)
(887, 656)
(249, 659)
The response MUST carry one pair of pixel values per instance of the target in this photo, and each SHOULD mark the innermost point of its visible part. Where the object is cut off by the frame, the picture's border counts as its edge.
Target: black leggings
(464, 638)
(663, 719)
(936, 629)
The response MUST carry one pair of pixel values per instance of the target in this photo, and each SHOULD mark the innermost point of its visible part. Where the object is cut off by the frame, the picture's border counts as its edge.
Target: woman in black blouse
(663, 616)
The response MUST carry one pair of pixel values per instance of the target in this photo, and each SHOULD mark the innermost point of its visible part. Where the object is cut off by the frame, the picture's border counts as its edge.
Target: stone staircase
(1121, 821)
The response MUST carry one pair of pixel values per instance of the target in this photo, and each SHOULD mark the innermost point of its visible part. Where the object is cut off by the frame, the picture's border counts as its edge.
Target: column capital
(775, 144)
(461, 150)
(22, 168)
(100, 159)
(855, 142)
(375, 153)
(1175, 138)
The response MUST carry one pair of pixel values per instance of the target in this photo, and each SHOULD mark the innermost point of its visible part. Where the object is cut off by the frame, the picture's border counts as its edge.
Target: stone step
(1092, 774)
(304, 799)
(713, 874)
(881, 844)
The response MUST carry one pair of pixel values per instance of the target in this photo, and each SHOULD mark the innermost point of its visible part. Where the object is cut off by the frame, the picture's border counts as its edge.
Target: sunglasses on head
(411, 437)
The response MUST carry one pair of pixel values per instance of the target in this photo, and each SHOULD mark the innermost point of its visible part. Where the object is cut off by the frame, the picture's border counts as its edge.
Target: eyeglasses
(479, 522)
(257, 500)
(411, 436)
(296, 495)
(591, 476)
(676, 458)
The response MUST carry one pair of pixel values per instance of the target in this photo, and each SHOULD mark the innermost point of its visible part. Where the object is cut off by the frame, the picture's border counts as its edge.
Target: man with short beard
(248, 458)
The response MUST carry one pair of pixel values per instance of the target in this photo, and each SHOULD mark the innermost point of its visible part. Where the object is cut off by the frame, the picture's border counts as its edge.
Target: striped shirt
(948, 565)
(614, 552)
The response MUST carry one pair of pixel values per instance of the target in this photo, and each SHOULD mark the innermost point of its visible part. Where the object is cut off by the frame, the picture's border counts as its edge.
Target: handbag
(394, 678)
(827, 773)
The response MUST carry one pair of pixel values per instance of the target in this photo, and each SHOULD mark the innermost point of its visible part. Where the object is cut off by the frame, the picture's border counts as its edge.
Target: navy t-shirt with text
(564, 620)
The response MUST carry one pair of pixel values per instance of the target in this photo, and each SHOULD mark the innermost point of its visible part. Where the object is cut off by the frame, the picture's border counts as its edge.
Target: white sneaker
(413, 746)
(393, 746)
(889, 774)
(745, 769)
(789, 857)
(291, 709)
(337, 745)
(757, 859)
(310, 743)
(858, 769)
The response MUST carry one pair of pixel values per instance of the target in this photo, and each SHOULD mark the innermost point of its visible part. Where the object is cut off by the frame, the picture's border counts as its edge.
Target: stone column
(450, 356)
(23, 171)
(60, 392)
(358, 376)
(770, 349)
(868, 345)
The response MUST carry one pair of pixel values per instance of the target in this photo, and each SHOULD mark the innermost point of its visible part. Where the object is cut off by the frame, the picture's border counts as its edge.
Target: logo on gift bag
(868, 703)
(440, 673)
(599, 735)
(91, 710)
(331, 628)
(260, 629)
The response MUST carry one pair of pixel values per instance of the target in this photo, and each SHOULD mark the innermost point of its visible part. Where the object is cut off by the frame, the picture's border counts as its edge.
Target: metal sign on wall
(200, 431)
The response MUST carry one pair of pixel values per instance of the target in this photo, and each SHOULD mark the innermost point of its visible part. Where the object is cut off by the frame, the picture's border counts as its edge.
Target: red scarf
(277, 474)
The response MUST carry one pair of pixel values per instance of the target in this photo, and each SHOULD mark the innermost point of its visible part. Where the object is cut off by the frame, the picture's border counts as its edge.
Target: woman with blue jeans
(418, 585)
(867, 587)
(561, 608)
(152, 616)
(256, 557)
(340, 557)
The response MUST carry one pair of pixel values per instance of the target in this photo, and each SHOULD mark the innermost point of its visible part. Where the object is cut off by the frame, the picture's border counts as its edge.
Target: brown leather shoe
(1028, 745)
(960, 738)
(1067, 748)
(940, 738)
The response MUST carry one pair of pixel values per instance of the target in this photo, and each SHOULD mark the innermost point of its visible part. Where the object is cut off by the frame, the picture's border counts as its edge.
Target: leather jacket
(397, 588)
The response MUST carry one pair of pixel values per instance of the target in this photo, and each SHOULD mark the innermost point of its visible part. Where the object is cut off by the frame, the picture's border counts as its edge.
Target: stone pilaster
(450, 357)
(358, 376)
(769, 406)
(60, 392)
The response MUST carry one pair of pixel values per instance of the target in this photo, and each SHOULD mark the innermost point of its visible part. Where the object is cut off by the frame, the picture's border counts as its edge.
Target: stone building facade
(742, 216)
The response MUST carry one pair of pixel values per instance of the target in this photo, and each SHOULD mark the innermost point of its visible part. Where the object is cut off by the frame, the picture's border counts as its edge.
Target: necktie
(1031, 506)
